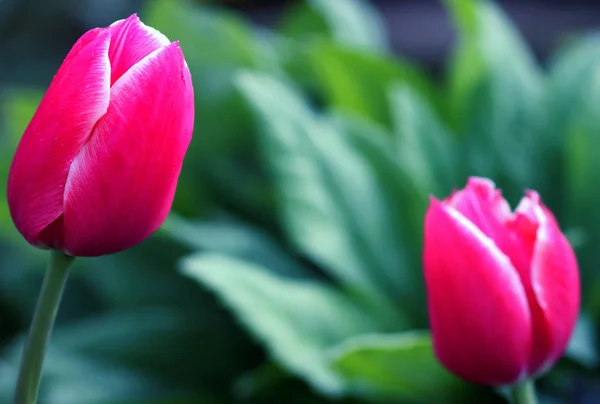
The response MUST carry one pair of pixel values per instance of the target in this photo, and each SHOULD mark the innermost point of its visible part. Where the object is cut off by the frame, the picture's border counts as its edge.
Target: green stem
(524, 392)
(41, 328)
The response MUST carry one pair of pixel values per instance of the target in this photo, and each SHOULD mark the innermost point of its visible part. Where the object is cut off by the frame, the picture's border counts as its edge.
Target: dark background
(36, 34)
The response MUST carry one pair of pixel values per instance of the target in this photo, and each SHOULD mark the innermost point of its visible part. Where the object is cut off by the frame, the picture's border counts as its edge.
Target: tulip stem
(524, 393)
(41, 328)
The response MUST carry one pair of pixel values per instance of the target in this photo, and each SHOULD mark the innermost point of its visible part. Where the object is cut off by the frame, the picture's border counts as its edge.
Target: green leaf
(399, 185)
(221, 168)
(150, 266)
(353, 23)
(582, 345)
(233, 238)
(145, 338)
(269, 383)
(424, 145)
(396, 366)
(575, 101)
(571, 101)
(216, 44)
(259, 380)
(86, 382)
(71, 379)
(165, 342)
(572, 71)
(495, 102)
(359, 82)
(296, 320)
(344, 201)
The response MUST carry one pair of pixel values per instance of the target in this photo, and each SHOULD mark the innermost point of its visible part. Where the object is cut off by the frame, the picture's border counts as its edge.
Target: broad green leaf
(150, 266)
(165, 342)
(296, 320)
(359, 82)
(495, 91)
(152, 339)
(401, 187)
(424, 145)
(70, 379)
(576, 236)
(269, 383)
(582, 346)
(216, 44)
(571, 104)
(572, 71)
(259, 380)
(401, 367)
(353, 23)
(486, 39)
(76, 379)
(580, 194)
(234, 238)
(342, 198)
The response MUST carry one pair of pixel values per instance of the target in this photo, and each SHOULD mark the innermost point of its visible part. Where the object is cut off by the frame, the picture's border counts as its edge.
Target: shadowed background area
(36, 34)
(289, 269)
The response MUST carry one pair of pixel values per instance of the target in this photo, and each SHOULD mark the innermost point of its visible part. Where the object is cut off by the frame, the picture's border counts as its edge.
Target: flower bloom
(502, 286)
(96, 169)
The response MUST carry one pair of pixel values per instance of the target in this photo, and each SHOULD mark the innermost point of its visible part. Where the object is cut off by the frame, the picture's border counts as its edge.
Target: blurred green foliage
(290, 268)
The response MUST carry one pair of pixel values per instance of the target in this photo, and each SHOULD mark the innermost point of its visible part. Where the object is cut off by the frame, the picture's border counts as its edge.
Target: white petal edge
(153, 32)
(496, 253)
(99, 112)
(134, 71)
(120, 85)
(481, 236)
(159, 36)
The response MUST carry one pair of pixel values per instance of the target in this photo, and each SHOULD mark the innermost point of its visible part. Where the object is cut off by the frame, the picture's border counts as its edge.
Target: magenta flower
(502, 286)
(97, 167)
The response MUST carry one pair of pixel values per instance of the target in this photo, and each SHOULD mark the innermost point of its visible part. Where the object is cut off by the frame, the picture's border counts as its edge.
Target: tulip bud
(502, 286)
(96, 169)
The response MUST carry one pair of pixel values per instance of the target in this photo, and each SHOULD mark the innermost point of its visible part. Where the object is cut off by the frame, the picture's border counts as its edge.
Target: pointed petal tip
(436, 207)
(481, 182)
(165, 122)
(556, 284)
(127, 20)
(469, 281)
(156, 34)
(433, 199)
(40, 164)
(533, 196)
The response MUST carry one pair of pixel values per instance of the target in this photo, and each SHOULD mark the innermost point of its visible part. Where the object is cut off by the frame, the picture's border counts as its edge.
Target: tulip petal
(478, 310)
(122, 184)
(131, 41)
(555, 282)
(77, 97)
(484, 206)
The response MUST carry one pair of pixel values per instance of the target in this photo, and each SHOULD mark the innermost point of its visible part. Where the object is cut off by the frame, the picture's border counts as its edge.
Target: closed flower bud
(502, 286)
(96, 169)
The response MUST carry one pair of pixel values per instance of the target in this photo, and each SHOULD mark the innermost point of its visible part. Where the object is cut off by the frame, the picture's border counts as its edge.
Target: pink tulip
(502, 286)
(97, 167)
